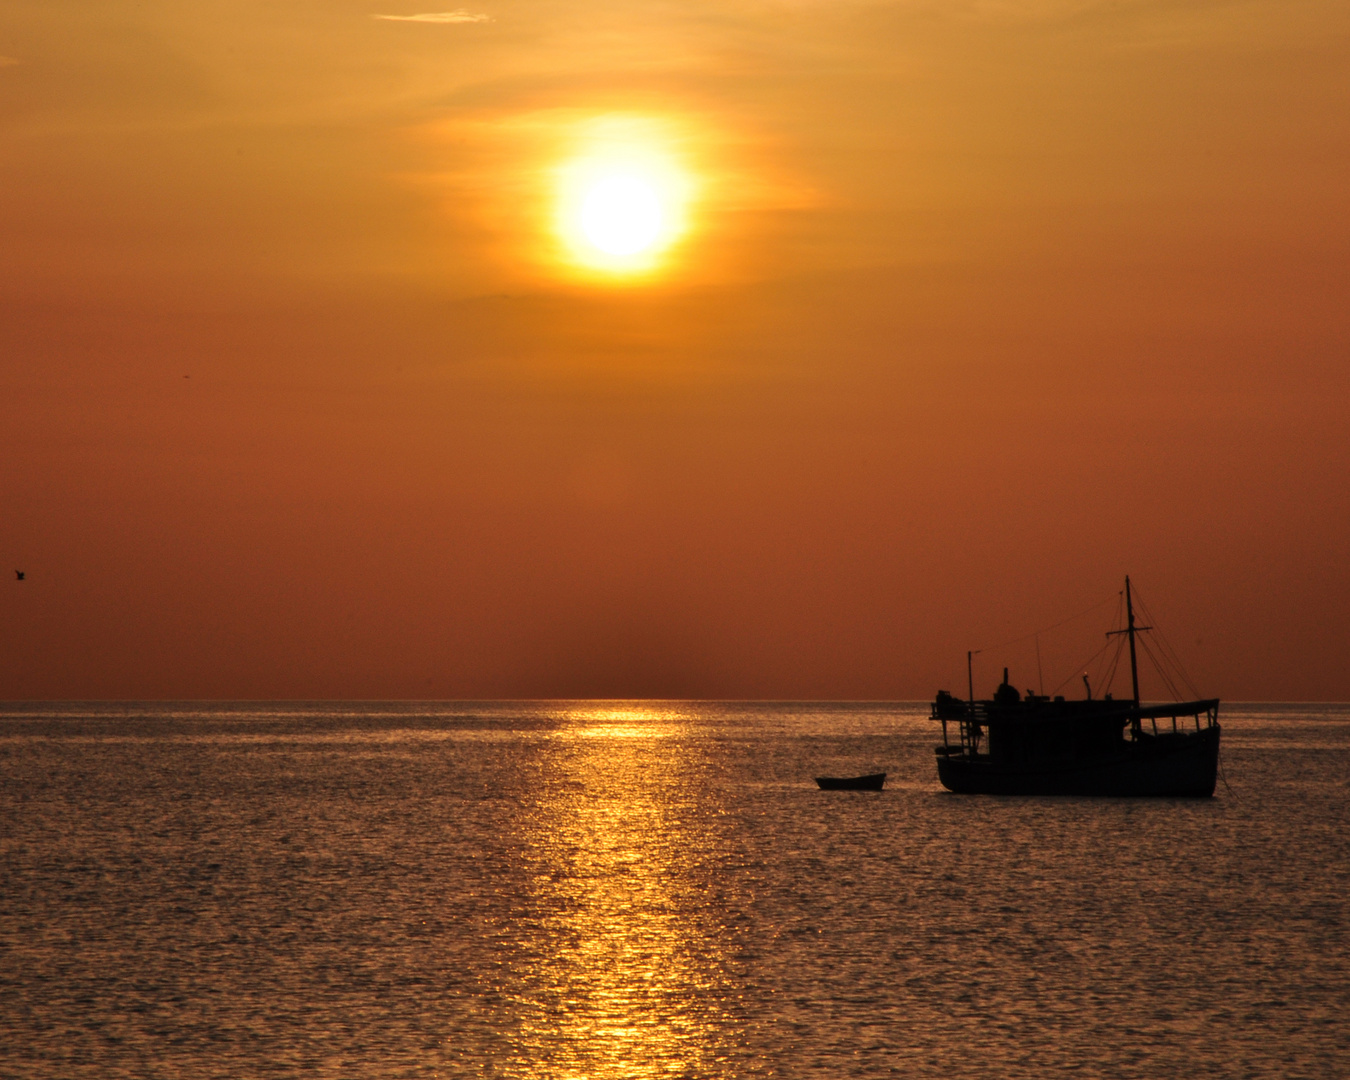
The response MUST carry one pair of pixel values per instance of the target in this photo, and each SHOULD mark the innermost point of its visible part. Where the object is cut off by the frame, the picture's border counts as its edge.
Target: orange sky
(980, 306)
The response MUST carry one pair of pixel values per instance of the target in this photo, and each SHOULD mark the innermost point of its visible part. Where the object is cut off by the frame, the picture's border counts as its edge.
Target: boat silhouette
(1014, 744)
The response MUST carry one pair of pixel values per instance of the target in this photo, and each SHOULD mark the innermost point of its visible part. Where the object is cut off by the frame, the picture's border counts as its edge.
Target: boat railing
(971, 719)
(1175, 712)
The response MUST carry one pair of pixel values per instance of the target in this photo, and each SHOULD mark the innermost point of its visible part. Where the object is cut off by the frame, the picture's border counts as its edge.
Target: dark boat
(1016, 744)
(871, 782)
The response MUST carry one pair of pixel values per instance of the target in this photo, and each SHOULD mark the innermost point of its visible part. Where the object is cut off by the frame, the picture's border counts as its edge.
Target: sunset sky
(942, 316)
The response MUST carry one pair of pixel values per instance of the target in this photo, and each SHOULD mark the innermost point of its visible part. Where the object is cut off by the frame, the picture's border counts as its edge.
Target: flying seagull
(18, 574)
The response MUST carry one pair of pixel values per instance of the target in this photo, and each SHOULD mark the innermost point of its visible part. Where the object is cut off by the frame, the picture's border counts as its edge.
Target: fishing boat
(871, 782)
(1032, 744)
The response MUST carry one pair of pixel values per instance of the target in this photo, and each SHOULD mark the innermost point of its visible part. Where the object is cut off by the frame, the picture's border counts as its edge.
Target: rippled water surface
(650, 890)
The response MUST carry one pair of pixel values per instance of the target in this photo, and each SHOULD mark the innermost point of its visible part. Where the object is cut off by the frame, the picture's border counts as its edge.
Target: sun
(622, 199)
(621, 215)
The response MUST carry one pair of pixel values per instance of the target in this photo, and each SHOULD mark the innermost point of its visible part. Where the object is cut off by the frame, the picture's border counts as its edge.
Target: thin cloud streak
(441, 17)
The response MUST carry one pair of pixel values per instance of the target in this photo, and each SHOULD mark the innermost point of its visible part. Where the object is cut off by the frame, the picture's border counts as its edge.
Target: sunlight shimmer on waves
(633, 977)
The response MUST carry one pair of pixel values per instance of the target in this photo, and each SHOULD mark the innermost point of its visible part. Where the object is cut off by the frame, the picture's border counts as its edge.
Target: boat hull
(1174, 765)
(872, 782)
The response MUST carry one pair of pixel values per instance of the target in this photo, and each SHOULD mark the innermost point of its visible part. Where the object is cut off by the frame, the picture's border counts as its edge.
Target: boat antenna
(1040, 676)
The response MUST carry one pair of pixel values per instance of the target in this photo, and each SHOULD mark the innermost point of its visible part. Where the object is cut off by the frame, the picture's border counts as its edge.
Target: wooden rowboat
(871, 782)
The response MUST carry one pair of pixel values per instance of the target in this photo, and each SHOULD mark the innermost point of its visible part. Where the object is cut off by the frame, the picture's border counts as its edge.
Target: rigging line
(1160, 660)
(1101, 676)
(1119, 623)
(1083, 667)
(1166, 678)
(1100, 670)
(1219, 762)
(1171, 686)
(1045, 629)
(1115, 662)
(1116, 623)
(1168, 650)
(1175, 660)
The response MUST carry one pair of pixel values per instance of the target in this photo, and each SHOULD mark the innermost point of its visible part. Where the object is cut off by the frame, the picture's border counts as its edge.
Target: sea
(646, 889)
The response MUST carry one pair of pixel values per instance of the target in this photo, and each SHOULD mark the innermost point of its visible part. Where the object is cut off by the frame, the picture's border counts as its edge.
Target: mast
(1131, 630)
(1134, 663)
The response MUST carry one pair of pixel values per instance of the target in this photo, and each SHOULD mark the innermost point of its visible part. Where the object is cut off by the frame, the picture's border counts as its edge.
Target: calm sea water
(639, 889)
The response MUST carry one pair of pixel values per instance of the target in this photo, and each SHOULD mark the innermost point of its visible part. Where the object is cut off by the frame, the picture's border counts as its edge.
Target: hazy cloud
(460, 16)
(7, 61)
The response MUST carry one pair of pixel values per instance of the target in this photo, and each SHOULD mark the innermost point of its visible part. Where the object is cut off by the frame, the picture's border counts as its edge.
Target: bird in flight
(18, 575)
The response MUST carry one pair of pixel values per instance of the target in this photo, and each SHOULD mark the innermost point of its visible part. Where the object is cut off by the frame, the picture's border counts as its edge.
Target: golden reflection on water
(631, 979)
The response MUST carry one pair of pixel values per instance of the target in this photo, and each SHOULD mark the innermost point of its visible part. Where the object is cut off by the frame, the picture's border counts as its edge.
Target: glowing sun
(622, 199)
(621, 215)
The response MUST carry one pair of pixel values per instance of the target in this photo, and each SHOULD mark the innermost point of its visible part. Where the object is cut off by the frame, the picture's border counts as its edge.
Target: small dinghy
(871, 782)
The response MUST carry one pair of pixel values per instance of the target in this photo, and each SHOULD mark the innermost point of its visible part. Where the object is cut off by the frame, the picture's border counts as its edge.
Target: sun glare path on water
(622, 200)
